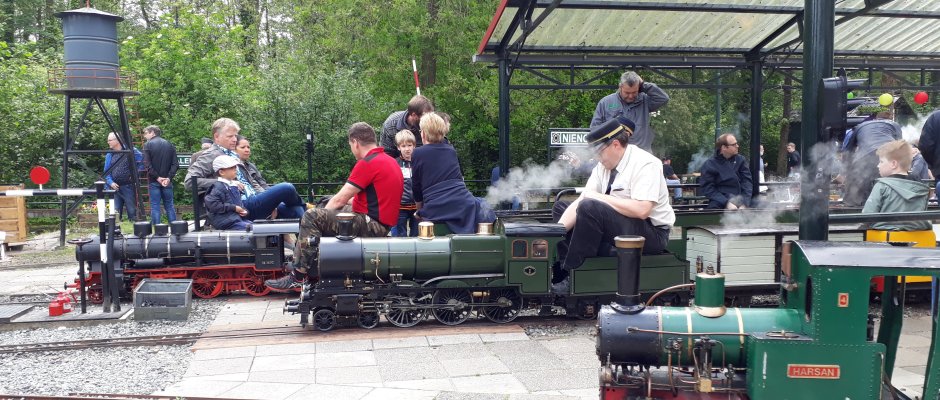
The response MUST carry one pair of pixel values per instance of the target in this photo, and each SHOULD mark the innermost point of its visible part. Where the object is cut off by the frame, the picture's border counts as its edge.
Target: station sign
(184, 160)
(559, 137)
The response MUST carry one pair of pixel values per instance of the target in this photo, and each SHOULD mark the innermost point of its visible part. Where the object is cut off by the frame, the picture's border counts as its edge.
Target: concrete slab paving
(198, 388)
(399, 394)
(474, 366)
(558, 379)
(345, 359)
(263, 390)
(404, 355)
(440, 340)
(331, 392)
(347, 375)
(497, 383)
(422, 384)
(345, 345)
(411, 371)
(396, 343)
(219, 366)
(225, 352)
(284, 349)
(305, 376)
(359, 365)
(288, 361)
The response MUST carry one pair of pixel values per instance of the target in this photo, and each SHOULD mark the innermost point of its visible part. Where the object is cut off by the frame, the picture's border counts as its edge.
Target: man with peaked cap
(625, 195)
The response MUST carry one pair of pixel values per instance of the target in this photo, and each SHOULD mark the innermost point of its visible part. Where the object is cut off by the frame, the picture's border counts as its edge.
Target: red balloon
(39, 175)
(920, 98)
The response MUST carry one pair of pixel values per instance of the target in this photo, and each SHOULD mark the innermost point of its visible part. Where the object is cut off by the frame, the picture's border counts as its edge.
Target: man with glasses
(726, 179)
(625, 195)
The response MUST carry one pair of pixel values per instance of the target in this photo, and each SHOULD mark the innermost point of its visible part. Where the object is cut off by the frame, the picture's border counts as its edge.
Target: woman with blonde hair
(437, 182)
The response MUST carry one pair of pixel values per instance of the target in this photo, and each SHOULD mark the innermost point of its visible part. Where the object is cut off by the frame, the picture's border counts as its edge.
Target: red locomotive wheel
(95, 296)
(253, 282)
(207, 283)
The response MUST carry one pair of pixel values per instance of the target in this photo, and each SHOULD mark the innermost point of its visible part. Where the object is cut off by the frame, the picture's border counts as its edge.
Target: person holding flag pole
(406, 119)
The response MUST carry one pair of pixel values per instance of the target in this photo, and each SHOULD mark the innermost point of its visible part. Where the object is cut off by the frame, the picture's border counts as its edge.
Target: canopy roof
(750, 28)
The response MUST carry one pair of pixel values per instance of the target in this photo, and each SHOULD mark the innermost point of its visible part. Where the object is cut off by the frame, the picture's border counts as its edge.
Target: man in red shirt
(375, 186)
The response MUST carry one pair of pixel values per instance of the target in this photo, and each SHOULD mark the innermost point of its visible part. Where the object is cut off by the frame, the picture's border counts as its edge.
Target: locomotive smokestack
(629, 249)
(344, 228)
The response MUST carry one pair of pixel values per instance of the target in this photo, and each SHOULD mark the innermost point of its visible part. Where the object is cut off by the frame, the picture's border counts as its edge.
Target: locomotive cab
(268, 240)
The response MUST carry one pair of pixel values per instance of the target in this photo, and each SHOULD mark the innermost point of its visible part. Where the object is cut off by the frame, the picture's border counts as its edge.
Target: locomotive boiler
(819, 344)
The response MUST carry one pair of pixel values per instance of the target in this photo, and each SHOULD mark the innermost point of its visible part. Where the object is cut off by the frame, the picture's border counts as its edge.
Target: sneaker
(283, 284)
(561, 288)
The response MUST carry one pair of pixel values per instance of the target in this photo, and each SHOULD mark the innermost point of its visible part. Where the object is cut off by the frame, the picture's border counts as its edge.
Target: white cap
(223, 162)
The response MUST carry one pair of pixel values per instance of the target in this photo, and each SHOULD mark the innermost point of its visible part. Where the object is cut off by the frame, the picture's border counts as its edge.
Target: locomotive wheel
(405, 310)
(368, 319)
(510, 303)
(253, 282)
(458, 306)
(207, 283)
(95, 296)
(324, 319)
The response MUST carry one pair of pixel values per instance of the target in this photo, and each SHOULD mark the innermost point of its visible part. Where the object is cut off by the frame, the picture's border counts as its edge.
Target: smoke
(529, 178)
(698, 159)
(911, 132)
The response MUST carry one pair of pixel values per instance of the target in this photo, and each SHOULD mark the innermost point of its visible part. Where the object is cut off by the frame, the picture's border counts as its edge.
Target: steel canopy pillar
(757, 84)
(818, 33)
(503, 70)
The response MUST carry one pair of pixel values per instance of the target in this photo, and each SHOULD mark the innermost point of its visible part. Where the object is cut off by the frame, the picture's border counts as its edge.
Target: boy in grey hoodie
(896, 191)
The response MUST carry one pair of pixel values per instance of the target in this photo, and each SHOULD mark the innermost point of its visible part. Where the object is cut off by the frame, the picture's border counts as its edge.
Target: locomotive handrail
(475, 276)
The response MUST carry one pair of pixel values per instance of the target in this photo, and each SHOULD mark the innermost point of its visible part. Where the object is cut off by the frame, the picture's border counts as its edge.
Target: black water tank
(91, 48)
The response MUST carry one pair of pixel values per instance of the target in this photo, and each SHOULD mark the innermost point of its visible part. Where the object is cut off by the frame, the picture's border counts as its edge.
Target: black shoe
(284, 284)
(561, 288)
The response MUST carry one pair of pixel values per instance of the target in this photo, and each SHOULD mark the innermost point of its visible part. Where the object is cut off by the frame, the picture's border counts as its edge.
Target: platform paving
(480, 361)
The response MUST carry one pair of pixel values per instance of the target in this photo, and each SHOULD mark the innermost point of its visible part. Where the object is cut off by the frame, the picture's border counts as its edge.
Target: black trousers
(595, 229)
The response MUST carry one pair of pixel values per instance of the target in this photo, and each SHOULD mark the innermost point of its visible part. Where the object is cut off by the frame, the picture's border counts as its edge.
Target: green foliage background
(284, 68)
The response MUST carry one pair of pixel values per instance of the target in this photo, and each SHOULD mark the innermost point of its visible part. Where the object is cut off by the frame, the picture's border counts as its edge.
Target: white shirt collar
(226, 181)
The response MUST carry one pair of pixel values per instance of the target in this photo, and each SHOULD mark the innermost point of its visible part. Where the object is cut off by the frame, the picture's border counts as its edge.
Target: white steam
(698, 159)
(911, 132)
(536, 178)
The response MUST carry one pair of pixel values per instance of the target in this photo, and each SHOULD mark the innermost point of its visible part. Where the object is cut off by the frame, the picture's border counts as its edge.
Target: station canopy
(578, 32)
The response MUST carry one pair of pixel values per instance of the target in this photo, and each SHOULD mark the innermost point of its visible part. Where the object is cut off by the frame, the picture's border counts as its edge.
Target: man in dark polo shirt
(405, 119)
(375, 185)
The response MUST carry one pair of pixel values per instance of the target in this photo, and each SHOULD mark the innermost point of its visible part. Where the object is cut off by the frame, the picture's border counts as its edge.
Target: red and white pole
(414, 68)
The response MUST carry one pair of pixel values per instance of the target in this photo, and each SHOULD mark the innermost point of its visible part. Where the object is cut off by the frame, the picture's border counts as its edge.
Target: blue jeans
(282, 197)
(406, 220)
(161, 195)
(677, 192)
(124, 197)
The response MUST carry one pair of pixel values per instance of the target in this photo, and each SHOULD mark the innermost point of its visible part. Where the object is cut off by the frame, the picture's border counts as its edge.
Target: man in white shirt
(625, 195)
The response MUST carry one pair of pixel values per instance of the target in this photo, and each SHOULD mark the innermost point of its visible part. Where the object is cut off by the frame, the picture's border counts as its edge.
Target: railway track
(105, 396)
(190, 338)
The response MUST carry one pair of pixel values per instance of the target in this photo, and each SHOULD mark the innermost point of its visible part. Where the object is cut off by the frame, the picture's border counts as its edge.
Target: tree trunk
(7, 10)
(785, 127)
(428, 53)
(144, 14)
(248, 18)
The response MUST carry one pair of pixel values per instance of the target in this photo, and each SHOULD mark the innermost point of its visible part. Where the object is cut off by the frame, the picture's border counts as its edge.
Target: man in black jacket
(726, 179)
(929, 143)
(161, 163)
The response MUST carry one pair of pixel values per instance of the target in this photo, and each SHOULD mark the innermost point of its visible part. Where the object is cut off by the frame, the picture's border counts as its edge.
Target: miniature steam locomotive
(454, 277)
(817, 345)
(217, 262)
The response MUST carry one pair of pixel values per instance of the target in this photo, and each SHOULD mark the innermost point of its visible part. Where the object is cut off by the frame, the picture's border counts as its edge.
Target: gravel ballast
(125, 370)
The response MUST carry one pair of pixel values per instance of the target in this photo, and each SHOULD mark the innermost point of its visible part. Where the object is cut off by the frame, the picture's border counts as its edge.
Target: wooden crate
(13, 216)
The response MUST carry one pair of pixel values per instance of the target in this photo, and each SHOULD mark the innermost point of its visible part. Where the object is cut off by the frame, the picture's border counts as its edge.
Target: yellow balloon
(885, 99)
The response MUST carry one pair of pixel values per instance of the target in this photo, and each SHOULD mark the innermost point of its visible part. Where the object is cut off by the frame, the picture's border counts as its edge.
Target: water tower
(92, 76)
